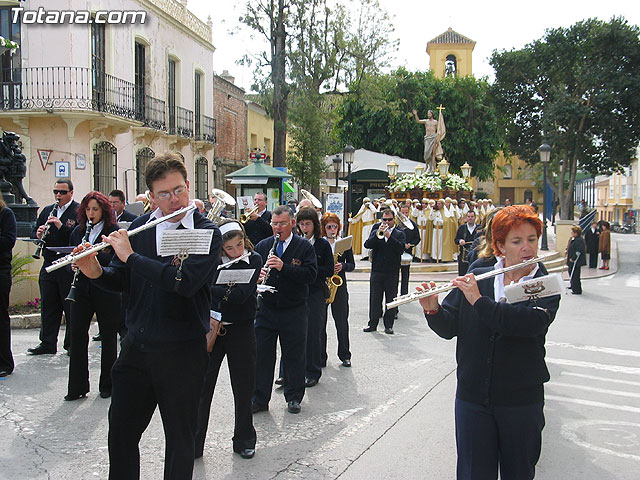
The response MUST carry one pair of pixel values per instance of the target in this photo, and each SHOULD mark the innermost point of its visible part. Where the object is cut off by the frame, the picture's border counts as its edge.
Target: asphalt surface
(389, 416)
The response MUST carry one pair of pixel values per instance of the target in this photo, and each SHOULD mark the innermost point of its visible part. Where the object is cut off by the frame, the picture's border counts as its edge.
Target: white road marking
(604, 379)
(593, 348)
(632, 281)
(590, 403)
(595, 366)
(595, 389)
(569, 432)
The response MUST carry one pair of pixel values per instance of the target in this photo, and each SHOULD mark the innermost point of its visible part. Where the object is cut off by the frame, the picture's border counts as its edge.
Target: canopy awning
(258, 170)
(249, 180)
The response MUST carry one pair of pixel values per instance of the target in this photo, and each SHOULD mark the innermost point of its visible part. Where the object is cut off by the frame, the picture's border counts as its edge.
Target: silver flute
(72, 257)
(235, 260)
(410, 297)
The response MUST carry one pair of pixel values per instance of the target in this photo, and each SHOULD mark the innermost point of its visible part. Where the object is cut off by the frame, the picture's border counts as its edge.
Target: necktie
(280, 249)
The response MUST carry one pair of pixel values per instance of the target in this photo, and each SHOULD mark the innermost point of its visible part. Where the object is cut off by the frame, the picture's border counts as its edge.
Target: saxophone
(334, 282)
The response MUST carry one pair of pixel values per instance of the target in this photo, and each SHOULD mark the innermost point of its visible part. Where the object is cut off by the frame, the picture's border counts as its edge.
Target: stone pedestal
(26, 214)
(563, 232)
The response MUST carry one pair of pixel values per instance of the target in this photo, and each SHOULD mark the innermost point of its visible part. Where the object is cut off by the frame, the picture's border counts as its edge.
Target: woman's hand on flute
(88, 265)
(469, 287)
(430, 302)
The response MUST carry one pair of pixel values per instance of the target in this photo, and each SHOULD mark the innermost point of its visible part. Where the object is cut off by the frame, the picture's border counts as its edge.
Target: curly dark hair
(107, 212)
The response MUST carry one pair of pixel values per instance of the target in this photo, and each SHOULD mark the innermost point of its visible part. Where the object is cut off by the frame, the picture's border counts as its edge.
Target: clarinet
(263, 283)
(71, 297)
(53, 213)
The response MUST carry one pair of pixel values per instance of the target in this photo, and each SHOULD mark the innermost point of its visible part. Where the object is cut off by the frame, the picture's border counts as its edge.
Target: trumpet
(381, 230)
(410, 297)
(246, 216)
(41, 242)
(73, 257)
(71, 296)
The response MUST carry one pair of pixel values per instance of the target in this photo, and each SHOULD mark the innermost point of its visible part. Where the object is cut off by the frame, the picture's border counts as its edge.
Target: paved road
(389, 416)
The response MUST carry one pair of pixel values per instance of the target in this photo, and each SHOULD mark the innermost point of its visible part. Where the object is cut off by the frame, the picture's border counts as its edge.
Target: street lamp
(347, 154)
(545, 156)
(466, 170)
(419, 169)
(392, 169)
(443, 168)
(337, 163)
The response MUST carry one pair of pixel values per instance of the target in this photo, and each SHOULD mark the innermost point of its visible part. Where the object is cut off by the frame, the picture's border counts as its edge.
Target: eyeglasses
(61, 192)
(388, 219)
(177, 192)
(281, 224)
(331, 226)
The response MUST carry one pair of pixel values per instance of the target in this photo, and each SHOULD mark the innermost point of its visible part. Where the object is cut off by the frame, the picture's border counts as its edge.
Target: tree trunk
(280, 88)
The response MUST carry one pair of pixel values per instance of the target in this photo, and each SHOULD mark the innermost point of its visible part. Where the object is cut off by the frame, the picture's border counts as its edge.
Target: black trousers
(54, 288)
(6, 356)
(574, 275)
(239, 346)
(316, 324)
(106, 306)
(382, 285)
(340, 313)
(486, 437)
(404, 279)
(169, 379)
(593, 260)
(290, 325)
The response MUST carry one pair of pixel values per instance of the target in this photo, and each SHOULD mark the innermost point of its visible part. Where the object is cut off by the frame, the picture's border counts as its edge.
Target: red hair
(512, 217)
(329, 217)
(107, 211)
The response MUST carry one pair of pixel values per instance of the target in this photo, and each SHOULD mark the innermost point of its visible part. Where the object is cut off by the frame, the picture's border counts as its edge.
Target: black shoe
(105, 394)
(346, 363)
(40, 350)
(5, 373)
(279, 381)
(256, 407)
(293, 406)
(369, 329)
(246, 452)
(310, 382)
(71, 398)
(97, 338)
(388, 331)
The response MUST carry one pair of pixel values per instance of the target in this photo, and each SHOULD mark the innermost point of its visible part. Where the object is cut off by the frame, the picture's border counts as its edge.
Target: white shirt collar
(186, 221)
(472, 228)
(498, 282)
(62, 209)
(96, 230)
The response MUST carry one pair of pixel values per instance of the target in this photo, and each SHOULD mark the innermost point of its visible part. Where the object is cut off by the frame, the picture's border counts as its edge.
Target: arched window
(105, 166)
(142, 159)
(508, 171)
(202, 178)
(451, 66)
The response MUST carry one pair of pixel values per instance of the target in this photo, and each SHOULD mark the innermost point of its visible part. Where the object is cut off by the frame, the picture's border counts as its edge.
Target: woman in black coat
(94, 210)
(234, 306)
(576, 259)
(8, 232)
(500, 354)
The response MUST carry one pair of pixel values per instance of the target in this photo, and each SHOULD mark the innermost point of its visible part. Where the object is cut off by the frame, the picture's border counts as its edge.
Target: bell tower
(450, 54)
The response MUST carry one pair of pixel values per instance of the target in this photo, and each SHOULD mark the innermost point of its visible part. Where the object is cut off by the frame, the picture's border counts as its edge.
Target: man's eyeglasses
(167, 195)
(281, 224)
(388, 219)
(61, 192)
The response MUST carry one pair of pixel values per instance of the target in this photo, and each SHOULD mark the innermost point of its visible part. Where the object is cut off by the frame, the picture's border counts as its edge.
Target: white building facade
(99, 100)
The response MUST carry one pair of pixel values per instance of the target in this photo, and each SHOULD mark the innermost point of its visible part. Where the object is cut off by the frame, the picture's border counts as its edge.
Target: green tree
(577, 89)
(379, 118)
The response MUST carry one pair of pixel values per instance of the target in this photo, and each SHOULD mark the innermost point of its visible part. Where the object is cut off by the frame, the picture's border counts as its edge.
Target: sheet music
(343, 244)
(195, 242)
(539, 287)
(235, 276)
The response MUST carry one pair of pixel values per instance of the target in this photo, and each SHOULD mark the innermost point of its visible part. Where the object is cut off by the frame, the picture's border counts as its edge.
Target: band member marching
(95, 218)
(344, 262)
(309, 225)
(466, 234)
(234, 306)
(164, 354)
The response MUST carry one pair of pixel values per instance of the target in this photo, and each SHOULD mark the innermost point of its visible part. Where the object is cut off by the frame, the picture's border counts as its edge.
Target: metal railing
(44, 88)
(205, 129)
(180, 121)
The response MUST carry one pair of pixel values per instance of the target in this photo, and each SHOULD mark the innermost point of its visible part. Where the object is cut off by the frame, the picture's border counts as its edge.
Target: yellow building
(616, 194)
(450, 54)
(513, 179)
(259, 130)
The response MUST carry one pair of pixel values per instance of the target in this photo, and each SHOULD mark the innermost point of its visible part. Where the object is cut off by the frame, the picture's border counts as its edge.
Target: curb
(31, 320)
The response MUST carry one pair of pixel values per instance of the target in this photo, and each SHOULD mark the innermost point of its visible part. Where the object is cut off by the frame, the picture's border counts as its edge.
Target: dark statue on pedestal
(13, 168)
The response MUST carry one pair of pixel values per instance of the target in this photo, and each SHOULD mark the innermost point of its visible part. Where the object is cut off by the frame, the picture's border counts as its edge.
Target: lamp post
(545, 156)
(392, 170)
(347, 154)
(337, 163)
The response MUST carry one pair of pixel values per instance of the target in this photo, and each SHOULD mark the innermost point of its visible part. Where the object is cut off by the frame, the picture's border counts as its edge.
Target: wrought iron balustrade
(180, 121)
(205, 129)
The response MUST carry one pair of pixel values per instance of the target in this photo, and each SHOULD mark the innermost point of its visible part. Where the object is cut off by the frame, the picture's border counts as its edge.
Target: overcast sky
(495, 24)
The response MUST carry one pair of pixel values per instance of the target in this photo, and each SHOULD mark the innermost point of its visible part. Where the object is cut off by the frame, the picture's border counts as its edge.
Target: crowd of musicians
(178, 319)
